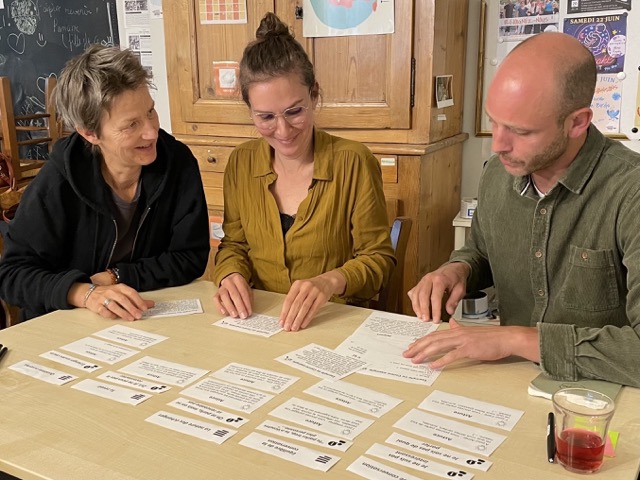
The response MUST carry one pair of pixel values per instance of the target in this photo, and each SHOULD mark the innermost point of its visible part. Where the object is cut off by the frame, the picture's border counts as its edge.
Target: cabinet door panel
(365, 79)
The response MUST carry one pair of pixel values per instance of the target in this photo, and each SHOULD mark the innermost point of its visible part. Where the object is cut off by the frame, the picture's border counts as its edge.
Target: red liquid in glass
(580, 450)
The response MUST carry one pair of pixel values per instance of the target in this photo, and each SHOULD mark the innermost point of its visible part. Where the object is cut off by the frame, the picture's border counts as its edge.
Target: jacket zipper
(135, 239)
(115, 242)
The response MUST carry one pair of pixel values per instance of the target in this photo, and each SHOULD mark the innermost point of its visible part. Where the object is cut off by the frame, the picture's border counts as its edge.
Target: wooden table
(55, 432)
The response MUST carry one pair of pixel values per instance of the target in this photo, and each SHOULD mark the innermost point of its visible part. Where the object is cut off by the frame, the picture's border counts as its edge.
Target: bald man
(556, 231)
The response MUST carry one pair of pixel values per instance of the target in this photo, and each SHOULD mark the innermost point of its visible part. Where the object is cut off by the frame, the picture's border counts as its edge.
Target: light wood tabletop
(56, 432)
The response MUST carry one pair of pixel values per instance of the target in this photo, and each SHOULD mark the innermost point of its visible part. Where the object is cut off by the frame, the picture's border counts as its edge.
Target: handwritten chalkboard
(38, 37)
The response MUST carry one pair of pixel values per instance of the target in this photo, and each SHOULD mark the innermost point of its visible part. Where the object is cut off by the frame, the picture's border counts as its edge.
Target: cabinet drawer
(389, 167)
(212, 182)
(211, 159)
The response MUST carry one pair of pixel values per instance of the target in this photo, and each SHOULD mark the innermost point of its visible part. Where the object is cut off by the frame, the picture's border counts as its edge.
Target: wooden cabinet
(377, 89)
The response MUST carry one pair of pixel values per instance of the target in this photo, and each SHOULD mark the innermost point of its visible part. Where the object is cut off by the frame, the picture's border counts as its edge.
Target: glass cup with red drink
(582, 420)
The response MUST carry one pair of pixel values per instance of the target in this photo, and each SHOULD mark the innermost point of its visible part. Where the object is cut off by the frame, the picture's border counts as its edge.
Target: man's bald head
(558, 63)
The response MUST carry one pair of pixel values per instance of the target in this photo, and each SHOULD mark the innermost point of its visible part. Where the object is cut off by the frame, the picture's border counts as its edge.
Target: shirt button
(538, 254)
(543, 211)
(585, 256)
(541, 293)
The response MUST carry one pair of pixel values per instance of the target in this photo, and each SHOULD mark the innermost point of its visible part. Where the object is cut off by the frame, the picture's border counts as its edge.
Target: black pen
(3, 350)
(551, 438)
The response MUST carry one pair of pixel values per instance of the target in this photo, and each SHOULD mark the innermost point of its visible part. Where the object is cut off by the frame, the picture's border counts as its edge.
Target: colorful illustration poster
(586, 6)
(606, 104)
(223, 11)
(520, 19)
(605, 36)
(339, 18)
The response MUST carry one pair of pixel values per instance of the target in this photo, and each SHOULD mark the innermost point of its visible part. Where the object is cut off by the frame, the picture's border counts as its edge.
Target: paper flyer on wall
(339, 18)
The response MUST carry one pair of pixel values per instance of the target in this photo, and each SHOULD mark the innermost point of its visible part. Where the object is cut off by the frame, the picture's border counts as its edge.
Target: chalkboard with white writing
(37, 37)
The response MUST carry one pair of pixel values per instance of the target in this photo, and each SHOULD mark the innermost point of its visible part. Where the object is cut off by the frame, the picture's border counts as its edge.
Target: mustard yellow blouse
(341, 224)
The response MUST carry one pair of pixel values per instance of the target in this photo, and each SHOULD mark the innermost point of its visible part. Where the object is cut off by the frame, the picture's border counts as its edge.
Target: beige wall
(477, 149)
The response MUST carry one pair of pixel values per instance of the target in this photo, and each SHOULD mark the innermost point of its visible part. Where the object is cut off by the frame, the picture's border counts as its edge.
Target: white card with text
(464, 408)
(70, 361)
(266, 380)
(374, 470)
(174, 308)
(112, 392)
(325, 419)
(189, 426)
(321, 362)
(99, 350)
(127, 381)
(441, 453)
(450, 432)
(363, 400)
(40, 372)
(207, 411)
(130, 336)
(231, 396)
(290, 451)
(163, 371)
(307, 436)
(426, 466)
(256, 324)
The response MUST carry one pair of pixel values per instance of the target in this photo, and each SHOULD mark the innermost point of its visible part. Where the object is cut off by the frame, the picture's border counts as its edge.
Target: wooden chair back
(390, 297)
(24, 130)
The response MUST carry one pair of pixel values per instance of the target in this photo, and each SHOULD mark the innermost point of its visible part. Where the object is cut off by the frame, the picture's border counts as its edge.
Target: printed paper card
(174, 308)
(70, 361)
(306, 436)
(207, 411)
(324, 419)
(363, 400)
(195, 428)
(232, 396)
(130, 336)
(111, 392)
(428, 467)
(99, 350)
(128, 381)
(449, 432)
(40, 372)
(436, 451)
(289, 451)
(464, 408)
(163, 371)
(266, 380)
(256, 324)
(322, 362)
(373, 470)
(404, 371)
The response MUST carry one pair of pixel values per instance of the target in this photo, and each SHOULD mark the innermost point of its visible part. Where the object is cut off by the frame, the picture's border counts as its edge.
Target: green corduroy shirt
(568, 263)
(342, 223)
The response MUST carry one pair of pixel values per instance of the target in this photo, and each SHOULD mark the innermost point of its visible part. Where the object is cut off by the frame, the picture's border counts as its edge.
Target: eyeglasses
(295, 116)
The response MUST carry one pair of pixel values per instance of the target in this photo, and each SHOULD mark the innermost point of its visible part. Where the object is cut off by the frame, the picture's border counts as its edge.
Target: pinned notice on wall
(225, 78)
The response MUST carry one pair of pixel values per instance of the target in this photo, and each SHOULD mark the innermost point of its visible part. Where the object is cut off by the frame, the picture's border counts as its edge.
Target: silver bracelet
(92, 287)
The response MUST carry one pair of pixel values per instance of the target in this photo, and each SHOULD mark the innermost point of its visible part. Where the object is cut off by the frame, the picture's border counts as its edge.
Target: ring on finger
(106, 302)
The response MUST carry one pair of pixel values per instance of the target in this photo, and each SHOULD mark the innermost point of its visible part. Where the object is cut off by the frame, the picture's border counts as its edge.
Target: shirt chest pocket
(590, 284)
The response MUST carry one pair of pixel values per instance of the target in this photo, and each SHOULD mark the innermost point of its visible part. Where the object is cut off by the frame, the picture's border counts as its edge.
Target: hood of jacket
(75, 160)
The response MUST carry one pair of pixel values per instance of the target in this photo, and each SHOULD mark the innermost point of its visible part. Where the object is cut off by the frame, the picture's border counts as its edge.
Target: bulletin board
(609, 28)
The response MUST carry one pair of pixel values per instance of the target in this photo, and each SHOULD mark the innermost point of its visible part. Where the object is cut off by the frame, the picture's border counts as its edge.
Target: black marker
(3, 350)
(551, 438)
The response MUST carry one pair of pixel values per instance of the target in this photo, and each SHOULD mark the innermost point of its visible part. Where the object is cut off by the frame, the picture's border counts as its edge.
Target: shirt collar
(579, 172)
(322, 162)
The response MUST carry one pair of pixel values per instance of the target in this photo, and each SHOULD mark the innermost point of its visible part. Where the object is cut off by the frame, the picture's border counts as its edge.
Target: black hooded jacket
(64, 230)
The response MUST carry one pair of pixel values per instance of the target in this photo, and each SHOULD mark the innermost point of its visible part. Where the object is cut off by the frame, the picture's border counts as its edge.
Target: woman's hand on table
(234, 297)
(307, 296)
(110, 301)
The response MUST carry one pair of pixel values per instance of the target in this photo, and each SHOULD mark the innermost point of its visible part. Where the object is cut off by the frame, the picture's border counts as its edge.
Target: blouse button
(538, 254)
(585, 256)
(543, 211)
(541, 293)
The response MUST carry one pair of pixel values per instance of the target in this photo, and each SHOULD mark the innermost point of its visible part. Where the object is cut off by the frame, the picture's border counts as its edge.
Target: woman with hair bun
(304, 211)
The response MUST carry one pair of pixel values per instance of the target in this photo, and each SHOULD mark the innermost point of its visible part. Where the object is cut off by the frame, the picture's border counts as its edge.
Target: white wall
(478, 149)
